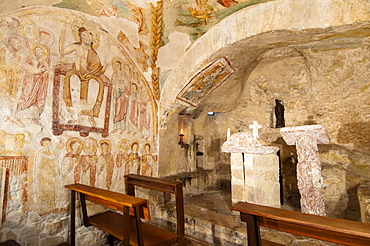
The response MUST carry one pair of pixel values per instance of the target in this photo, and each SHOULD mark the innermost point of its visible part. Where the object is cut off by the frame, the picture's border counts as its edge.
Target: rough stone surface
(364, 199)
(243, 142)
(312, 55)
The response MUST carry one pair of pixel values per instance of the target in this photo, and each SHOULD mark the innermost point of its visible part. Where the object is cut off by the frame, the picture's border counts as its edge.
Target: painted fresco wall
(75, 107)
(79, 88)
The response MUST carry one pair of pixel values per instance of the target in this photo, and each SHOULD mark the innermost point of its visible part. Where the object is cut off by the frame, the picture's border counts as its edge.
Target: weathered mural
(76, 106)
(79, 93)
(205, 81)
(194, 17)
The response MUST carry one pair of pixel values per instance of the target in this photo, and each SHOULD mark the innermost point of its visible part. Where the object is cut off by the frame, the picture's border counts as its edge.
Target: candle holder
(182, 143)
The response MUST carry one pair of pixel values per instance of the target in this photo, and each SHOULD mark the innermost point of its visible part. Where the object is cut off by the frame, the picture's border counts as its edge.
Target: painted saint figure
(134, 101)
(144, 112)
(121, 161)
(70, 160)
(44, 174)
(87, 66)
(105, 165)
(133, 164)
(35, 82)
(123, 92)
(148, 161)
(85, 172)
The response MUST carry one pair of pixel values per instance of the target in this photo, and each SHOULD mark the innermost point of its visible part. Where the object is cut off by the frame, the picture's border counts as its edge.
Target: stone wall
(75, 108)
(312, 56)
(319, 73)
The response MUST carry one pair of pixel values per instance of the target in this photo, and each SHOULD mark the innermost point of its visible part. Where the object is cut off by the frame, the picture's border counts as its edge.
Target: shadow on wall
(344, 170)
(288, 174)
(352, 211)
(357, 134)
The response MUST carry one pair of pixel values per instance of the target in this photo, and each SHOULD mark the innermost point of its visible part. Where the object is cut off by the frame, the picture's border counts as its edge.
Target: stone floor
(188, 242)
(208, 219)
(218, 201)
(210, 222)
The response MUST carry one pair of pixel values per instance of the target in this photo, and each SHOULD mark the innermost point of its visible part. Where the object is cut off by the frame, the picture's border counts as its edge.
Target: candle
(228, 133)
(181, 132)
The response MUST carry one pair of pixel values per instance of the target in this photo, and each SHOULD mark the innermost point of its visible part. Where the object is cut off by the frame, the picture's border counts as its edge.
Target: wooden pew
(164, 185)
(9, 243)
(334, 230)
(127, 225)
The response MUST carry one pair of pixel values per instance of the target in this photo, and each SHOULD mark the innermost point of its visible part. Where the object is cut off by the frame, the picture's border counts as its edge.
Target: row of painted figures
(82, 164)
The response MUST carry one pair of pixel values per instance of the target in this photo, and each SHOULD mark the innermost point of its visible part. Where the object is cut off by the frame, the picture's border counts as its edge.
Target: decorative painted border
(58, 129)
(205, 81)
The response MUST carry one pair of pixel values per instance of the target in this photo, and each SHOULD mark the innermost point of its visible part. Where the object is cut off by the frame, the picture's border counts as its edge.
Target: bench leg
(111, 240)
(72, 215)
(84, 210)
(126, 226)
(138, 226)
(253, 231)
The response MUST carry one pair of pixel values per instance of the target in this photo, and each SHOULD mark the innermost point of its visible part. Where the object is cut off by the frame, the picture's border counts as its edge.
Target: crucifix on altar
(255, 128)
(254, 168)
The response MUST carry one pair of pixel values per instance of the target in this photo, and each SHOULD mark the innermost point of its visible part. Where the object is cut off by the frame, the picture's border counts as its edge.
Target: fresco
(204, 82)
(98, 8)
(76, 107)
(81, 89)
(97, 163)
(194, 17)
(86, 87)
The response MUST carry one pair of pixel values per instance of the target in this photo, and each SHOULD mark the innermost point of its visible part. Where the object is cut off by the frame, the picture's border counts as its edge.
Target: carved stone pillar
(306, 138)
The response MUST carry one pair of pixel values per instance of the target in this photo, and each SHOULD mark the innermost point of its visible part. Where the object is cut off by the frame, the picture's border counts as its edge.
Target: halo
(43, 47)
(51, 40)
(94, 142)
(95, 34)
(148, 143)
(6, 38)
(104, 141)
(122, 141)
(117, 59)
(132, 143)
(25, 23)
(68, 144)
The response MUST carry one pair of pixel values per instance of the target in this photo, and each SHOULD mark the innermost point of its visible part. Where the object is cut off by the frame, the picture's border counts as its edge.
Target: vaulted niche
(319, 76)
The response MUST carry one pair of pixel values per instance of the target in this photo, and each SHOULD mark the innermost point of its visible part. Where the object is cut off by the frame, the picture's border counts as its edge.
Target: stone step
(213, 228)
(207, 219)
(215, 224)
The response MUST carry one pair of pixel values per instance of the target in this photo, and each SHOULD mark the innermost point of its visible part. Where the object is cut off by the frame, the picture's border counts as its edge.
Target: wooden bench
(9, 243)
(163, 185)
(127, 225)
(323, 228)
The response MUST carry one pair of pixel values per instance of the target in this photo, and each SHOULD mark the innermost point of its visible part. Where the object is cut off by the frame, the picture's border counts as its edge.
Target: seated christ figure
(87, 66)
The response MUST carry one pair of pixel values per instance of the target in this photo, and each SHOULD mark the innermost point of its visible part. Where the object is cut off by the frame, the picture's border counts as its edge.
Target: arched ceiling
(245, 54)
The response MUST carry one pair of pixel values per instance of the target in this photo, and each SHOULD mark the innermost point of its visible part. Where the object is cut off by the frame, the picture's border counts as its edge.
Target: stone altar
(310, 182)
(254, 170)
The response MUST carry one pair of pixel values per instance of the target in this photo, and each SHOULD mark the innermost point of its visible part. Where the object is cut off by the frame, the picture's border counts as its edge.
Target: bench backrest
(160, 184)
(111, 199)
(324, 228)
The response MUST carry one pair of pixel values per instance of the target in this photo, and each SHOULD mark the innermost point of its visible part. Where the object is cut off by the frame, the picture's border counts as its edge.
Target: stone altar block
(254, 170)
(306, 138)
